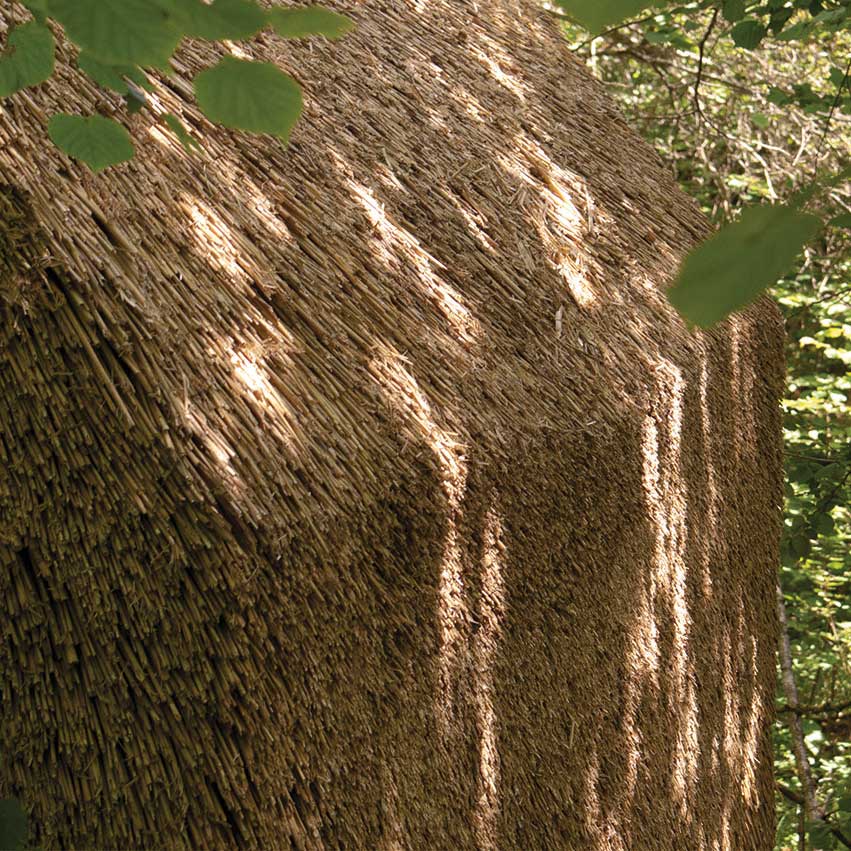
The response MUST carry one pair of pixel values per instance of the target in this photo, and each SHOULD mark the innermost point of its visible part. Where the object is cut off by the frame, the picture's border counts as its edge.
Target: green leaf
(732, 268)
(832, 17)
(111, 76)
(824, 524)
(733, 10)
(223, 19)
(818, 832)
(838, 177)
(37, 8)
(189, 143)
(13, 826)
(99, 142)
(253, 96)
(760, 119)
(28, 58)
(300, 22)
(748, 34)
(801, 545)
(135, 100)
(828, 471)
(797, 31)
(597, 15)
(843, 221)
(837, 76)
(119, 32)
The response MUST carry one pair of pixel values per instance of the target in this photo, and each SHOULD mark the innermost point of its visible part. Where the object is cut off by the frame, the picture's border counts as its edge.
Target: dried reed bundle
(367, 494)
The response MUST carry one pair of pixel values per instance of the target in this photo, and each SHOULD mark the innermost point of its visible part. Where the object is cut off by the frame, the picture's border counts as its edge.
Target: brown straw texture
(367, 493)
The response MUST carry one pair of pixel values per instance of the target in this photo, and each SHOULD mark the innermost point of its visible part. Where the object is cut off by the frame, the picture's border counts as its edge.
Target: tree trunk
(367, 493)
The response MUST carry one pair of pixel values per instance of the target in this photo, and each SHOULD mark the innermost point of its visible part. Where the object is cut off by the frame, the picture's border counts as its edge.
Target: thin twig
(822, 458)
(825, 709)
(623, 26)
(636, 53)
(700, 56)
(788, 793)
(827, 123)
(836, 295)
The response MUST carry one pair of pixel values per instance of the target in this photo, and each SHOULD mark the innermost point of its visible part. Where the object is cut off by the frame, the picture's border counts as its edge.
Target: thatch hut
(367, 494)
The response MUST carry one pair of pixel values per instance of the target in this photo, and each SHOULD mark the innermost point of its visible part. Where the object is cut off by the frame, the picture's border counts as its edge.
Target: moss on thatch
(367, 493)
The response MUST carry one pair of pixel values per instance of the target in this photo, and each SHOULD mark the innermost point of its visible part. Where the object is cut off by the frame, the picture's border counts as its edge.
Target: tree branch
(822, 709)
(790, 690)
(700, 58)
(839, 88)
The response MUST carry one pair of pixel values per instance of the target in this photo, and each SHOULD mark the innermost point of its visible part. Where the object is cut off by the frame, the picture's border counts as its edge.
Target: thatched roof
(367, 493)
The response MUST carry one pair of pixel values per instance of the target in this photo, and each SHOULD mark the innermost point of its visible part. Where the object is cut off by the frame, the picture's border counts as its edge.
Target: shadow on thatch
(367, 494)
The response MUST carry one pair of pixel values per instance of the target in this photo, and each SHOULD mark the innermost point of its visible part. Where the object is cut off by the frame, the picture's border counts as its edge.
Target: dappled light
(256, 378)
(547, 195)
(404, 395)
(742, 379)
(468, 103)
(217, 239)
(162, 137)
(711, 537)
(397, 244)
(218, 446)
(264, 208)
(499, 65)
(486, 651)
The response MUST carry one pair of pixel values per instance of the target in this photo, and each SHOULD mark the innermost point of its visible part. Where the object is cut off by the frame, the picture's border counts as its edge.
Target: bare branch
(790, 690)
(700, 57)
(843, 83)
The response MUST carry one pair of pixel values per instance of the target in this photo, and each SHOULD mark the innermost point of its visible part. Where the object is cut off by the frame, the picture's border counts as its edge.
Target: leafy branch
(118, 40)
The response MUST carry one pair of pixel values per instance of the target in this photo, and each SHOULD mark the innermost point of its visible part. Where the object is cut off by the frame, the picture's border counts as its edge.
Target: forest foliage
(746, 102)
